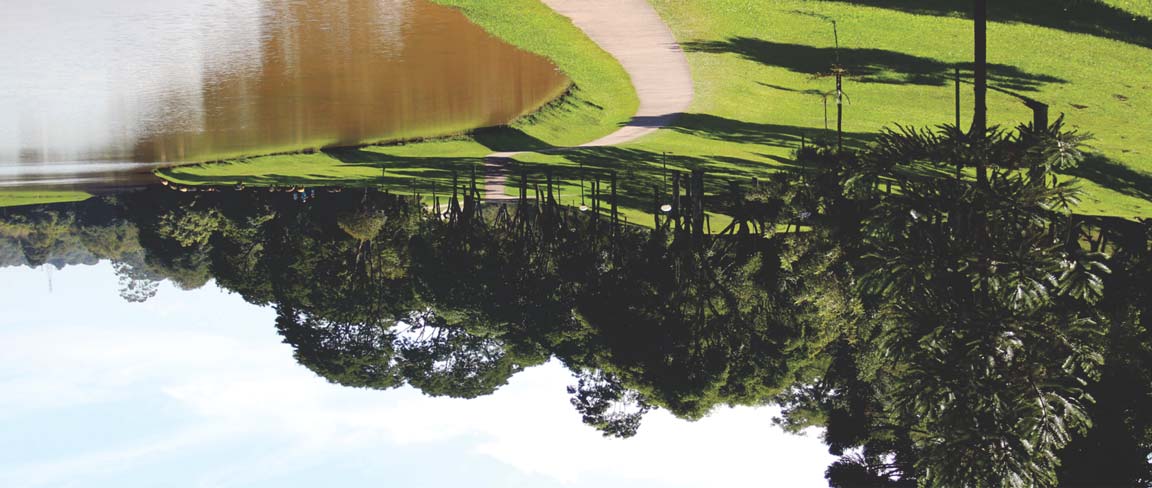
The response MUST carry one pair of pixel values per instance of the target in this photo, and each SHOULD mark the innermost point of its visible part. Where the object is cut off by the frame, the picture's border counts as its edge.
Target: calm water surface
(171, 81)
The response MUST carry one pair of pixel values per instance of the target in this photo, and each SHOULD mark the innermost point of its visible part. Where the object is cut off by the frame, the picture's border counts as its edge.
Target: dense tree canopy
(942, 331)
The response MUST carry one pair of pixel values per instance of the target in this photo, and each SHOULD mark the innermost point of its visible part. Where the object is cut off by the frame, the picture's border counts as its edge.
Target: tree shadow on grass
(399, 173)
(739, 131)
(867, 65)
(1091, 17)
(1115, 176)
(418, 172)
(774, 135)
(809, 91)
(641, 172)
(504, 138)
(361, 157)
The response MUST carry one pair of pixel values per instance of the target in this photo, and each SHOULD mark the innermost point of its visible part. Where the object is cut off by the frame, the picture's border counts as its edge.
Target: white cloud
(221, 361)
(68, 471)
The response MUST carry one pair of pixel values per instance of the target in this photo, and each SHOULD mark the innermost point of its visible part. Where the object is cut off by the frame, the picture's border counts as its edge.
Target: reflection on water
(932, 324)
(193, 80)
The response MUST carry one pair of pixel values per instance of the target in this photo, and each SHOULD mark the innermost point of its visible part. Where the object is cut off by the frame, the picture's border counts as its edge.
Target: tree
(978, 333)
(348, 354)
(1115, 451)
(442, 360)
(862, 471)
(607, 405)
(137, 285)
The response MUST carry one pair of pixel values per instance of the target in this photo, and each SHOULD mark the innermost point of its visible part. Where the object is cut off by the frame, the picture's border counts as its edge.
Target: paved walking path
(633, 33)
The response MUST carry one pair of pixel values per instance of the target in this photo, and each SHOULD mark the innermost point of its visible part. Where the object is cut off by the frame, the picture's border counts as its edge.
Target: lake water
(169, 81)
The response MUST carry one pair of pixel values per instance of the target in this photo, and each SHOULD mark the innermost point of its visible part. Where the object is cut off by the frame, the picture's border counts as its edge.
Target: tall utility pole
(980, 114)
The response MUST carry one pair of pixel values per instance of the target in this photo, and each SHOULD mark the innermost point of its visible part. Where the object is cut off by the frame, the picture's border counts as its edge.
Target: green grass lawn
(16, 198)
(398, 166)
(759, 92)
(602, 98)
(757, 95)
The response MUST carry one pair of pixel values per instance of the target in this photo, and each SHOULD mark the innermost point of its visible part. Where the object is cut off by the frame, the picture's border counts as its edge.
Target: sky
(194, 388)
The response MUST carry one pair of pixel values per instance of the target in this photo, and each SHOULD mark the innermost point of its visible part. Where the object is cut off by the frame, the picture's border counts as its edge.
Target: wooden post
(689, 195)
(472, 184)
(656, 206)
(551, 197)
(615, 209)
(469, 201)
(698, 202)
(839, 110)
(957, 97)
(675, 214)
(596, 197)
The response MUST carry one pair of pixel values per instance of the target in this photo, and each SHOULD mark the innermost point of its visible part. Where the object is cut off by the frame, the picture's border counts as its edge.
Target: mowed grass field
(16, 198)
(760, 71)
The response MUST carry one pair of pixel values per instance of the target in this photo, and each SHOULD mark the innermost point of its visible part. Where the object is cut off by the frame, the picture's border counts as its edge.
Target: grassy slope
(602, 98)
(405, 166)
(1135, 7)
(754, 62)
(15, 198)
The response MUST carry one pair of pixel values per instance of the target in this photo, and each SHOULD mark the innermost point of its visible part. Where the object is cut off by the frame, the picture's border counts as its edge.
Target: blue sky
(194, 388)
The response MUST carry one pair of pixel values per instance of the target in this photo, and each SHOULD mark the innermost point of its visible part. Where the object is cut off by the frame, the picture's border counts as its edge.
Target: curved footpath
(633, 33)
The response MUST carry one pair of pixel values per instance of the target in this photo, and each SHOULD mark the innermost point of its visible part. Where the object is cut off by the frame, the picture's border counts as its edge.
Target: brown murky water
(164, 81)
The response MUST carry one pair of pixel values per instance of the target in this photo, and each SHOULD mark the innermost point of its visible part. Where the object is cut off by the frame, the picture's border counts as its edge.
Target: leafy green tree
(1116, 450)
(967, 364)
(449, 361)
(607, 405)
(862, 471)
(349, 354)
(137, 285)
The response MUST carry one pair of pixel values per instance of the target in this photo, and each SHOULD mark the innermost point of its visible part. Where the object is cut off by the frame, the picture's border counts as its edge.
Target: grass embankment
(1138, 8)
(756, 63)
(600, 101)
(16, 198)
(757, 69)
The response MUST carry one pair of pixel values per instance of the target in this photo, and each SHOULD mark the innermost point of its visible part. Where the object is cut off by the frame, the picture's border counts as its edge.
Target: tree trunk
(980, 113)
